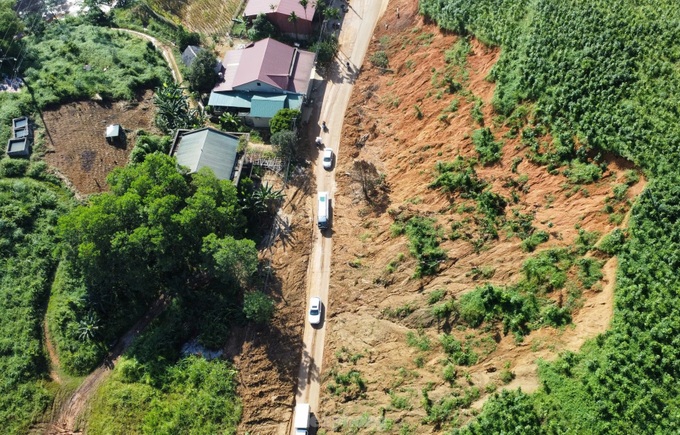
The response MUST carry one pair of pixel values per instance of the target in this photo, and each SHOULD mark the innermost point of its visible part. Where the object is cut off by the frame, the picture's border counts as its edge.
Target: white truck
(301, 418)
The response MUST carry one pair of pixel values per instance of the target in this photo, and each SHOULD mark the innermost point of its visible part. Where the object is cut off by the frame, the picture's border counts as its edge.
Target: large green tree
(202, 75)
(11, 46)
(159, 231)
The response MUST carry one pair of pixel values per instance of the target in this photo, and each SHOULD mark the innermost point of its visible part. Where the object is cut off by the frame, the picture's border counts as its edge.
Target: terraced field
(208, 17)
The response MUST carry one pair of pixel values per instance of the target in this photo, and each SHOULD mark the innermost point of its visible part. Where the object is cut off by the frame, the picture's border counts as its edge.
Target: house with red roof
(261, 79)
(279, 13)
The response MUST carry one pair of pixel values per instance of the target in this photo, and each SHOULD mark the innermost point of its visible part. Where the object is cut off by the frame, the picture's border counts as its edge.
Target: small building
(19, 147)
(189, 54)
(278, 12)
(115, 134)
(207, 147)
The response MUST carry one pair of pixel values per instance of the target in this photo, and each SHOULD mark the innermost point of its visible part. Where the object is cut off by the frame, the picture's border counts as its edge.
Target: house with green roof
(207, 147)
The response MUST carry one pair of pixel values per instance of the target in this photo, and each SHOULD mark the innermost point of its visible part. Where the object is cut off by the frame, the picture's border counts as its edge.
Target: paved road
(355, 37)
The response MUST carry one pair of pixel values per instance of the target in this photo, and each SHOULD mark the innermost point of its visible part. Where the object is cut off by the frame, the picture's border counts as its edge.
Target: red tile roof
(268, 61)
(285, 7)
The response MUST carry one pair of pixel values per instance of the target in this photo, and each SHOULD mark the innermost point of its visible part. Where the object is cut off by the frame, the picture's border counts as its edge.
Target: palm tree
(304, 4)
(265, 198)
(293, 18)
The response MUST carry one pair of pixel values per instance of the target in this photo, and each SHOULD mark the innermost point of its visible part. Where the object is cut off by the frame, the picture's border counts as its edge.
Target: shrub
(420, 341)
(458, 176)
(285, 119)
(531, 242)
(583, 173)
(258, 307)
(555, 316)
(13, 168)
(488, 149)
(589, 271)
(436, 296)
(612, 243)
(379, 59)
(424, 238)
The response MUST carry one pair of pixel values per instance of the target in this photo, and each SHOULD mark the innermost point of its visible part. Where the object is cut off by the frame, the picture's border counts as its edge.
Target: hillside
(386, 344)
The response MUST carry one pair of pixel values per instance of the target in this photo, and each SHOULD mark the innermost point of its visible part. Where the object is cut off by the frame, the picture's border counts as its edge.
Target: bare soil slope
(75, 142)
(399, 122)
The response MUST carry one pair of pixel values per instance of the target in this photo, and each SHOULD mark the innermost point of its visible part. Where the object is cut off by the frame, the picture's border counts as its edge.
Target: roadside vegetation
(31, 202)
(617, 97)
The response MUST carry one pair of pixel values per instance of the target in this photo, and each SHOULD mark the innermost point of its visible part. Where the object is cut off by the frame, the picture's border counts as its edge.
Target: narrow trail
(66, 419)
(165, 49)
(51, 351)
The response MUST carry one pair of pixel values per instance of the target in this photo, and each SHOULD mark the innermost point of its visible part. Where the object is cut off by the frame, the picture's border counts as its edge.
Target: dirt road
(166, 50)
(66, 421)
(357, 30)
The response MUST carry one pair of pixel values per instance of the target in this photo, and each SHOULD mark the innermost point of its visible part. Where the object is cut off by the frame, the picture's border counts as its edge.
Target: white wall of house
(258, 86)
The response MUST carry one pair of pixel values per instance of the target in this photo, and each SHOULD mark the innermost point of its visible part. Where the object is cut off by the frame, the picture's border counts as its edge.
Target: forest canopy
(159, 232)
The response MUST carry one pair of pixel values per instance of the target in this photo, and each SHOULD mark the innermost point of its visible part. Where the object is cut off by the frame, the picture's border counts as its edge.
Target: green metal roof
(260, 105)
(265, 106)
(208, 147)
(232, 99)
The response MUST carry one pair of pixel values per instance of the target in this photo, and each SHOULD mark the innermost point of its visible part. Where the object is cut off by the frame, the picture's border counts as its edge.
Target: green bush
(120, 65)
(424, 238)
(29, 210)
(613, 242)
(13, 168)
(420, 341)
(258, 307)
(458, 176)
(530, 243)
(284, 120)
(379, 59)
(583, 173)
(488, 149)
(589, 271)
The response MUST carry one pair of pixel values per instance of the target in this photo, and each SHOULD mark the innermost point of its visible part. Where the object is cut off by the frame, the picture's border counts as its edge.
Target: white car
(327, 158)
(315, 310)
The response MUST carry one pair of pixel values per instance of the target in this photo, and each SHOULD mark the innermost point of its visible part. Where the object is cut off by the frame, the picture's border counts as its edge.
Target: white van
(324, 211)
(301, 418)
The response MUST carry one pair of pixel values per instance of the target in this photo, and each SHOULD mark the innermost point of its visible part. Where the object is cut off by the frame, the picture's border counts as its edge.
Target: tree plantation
(602, 76)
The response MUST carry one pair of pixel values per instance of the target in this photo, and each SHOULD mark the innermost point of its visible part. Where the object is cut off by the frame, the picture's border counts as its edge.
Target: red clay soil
(400, 117)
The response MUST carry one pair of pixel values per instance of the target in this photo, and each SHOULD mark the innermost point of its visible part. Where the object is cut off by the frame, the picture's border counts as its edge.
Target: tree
(147, 144)
(152, 233)
(172, 109)
(230, 122)
(371, 181)
(304, 4)
(202, 76)
(293, 18)
(326, 48)
(285, 142)
(285, 119)
(258, 307)
(261, 28)
(232, 261)
(11, 26)
(183, 39)
(264, 199)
